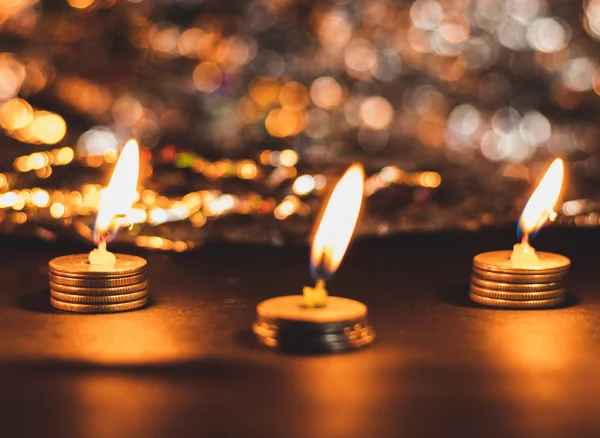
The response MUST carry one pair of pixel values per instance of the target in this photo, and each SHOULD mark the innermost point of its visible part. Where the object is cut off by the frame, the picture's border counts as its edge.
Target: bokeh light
(207, 77)
(47, 127)
(326, 93)
(15, 114)
(256, 110)
(81, 4)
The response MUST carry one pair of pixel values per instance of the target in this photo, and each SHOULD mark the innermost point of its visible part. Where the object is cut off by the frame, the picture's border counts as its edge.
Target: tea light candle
(315, 322)
(102, 282)
(525, 278)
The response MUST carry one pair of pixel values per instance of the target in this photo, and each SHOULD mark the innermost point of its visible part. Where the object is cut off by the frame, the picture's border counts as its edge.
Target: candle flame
(337, 223)
(540, 206)
(116, 199)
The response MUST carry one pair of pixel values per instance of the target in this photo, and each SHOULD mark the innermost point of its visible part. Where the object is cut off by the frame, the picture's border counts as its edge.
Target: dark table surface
(187, 365)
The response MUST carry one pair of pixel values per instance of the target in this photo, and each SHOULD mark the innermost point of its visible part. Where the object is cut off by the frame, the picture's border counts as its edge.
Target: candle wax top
(100, 256)
(291, 307)
(78, 264)
(499, 261)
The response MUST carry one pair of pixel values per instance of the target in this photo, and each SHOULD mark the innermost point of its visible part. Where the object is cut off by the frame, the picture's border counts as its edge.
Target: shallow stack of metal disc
(284, 324)
(496, 282)
(78, 286)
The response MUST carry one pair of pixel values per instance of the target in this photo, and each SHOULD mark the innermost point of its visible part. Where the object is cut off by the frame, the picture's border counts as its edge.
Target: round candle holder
(496, 282)
(78, 286)
(287, 325)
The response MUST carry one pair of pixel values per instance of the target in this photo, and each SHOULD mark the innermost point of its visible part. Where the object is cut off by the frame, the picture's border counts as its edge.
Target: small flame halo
(540, 206)
(120, 194)
(337, 223)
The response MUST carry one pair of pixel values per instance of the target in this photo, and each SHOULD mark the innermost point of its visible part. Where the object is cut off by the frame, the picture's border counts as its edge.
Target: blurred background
(249, 110)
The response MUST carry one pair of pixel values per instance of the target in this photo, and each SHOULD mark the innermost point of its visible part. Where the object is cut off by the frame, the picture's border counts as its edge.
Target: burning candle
(315, 322)
(334, 233)
(115, 203)
(525, 278)
(102, 282)
(538, 210)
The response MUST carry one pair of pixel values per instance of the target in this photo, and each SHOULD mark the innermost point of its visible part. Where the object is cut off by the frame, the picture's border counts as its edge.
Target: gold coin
(518, 278)
(98, 299)
(97, 308)
(74, 290)
(97, 283)
(530, 304)
(499, 261)
(517, 296)
(78, 266)
(512, 287)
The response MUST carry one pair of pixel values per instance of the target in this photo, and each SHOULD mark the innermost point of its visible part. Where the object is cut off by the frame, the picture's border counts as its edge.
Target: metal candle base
(496, 282)
(286, 325)
(78, 286)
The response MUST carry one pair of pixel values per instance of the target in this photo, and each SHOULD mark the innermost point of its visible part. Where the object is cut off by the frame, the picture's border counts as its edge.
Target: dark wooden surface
(188, 366)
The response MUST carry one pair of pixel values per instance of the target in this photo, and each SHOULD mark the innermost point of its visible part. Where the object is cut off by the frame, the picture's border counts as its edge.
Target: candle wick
(102, 242)
(525, 239)
(315, 296)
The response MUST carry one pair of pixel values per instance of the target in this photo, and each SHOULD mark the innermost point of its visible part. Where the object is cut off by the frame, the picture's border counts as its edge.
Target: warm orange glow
(15, 114)
(338, 221)
(293, 96)
(121, 193)
(263, 91)
(207, 77)
(48, 127)
(80, 4)
(285, 123)
(540, 206)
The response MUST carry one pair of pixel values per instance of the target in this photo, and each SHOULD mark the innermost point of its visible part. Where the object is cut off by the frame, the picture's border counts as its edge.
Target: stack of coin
(496, 282)
(78, 286)
(286, 325)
